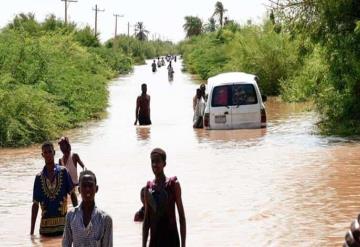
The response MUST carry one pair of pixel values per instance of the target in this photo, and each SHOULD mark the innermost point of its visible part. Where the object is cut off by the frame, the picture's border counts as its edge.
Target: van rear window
(237, 94)
(220, 96)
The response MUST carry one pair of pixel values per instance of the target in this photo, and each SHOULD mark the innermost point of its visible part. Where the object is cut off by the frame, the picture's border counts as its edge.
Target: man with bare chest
(142, 111)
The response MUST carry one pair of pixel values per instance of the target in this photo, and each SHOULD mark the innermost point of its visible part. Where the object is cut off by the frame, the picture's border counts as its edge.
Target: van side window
(244, 94)
(220, 96)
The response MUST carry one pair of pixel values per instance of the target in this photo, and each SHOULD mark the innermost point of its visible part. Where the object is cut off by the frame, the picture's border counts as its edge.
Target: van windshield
(237, 94)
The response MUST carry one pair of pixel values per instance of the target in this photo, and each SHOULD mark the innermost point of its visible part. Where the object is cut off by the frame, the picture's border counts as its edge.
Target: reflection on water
(143, 133)
(280, 186)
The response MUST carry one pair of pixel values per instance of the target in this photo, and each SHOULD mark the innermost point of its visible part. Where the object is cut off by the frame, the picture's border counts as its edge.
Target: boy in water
(51, 188)
(87, 225)
(161, 195)
(142, 111)
(69, 159)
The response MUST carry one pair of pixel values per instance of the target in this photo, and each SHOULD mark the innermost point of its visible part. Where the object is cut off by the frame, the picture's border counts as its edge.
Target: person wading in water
(161, 195)
(69, 159)
(153, 66)
(87, 225)
(142, 111)
(51, 188)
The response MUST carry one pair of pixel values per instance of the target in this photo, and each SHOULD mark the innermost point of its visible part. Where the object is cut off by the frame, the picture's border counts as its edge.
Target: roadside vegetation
(304, 51)
(53, 77)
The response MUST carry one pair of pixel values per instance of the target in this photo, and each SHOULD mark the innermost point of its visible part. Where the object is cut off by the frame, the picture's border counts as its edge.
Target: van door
(245, 106)
(220, 110)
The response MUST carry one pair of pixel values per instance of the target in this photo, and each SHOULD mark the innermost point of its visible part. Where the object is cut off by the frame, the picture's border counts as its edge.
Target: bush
(252, 49)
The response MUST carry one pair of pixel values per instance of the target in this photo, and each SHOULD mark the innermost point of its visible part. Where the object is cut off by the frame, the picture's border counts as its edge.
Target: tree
(25, 22)
(210, 26)
(140, 31)
(219, 11)
(335, 26)
(193, 26)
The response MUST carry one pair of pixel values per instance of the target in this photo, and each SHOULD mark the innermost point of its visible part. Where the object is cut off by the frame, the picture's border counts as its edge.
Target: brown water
(280, 186)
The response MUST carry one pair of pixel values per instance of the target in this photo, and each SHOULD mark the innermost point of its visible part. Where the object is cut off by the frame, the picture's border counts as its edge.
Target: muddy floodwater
(280, 186)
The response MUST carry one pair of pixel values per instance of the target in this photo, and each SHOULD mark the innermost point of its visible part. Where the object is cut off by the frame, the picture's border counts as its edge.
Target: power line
(96, 14)
(66, 8)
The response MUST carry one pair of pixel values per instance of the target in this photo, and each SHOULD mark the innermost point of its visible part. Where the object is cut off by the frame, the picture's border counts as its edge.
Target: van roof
(231, 77)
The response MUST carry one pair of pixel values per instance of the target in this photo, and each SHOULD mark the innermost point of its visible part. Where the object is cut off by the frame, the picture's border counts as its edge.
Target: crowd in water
(88, 225)
(161, 62)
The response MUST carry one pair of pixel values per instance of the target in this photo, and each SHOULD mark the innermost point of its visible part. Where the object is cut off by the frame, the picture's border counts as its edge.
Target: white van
(234, 102)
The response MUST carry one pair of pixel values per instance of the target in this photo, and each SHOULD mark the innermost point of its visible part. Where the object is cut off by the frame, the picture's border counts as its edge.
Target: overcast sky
(162, 18)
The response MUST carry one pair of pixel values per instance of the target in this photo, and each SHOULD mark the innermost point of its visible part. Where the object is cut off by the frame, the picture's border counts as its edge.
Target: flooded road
(280, 186)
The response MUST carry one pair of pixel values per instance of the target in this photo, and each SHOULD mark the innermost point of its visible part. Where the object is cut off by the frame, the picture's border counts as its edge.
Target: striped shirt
(98, 233)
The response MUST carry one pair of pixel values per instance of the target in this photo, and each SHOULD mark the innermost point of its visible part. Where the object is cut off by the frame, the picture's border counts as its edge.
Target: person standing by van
(70, 160)
(203, 95)
(198, 110)
(142, 111)
(161, 196)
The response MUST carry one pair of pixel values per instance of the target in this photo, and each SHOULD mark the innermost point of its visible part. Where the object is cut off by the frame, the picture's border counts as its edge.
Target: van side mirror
(264, 98)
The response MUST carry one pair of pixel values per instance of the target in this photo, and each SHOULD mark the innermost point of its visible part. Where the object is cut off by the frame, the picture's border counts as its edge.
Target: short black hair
(143, 85)
(160, 152)
(86, 173)
(47, 144)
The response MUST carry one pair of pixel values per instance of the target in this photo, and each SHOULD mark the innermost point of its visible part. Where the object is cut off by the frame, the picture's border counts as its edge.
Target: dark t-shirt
(163, 228)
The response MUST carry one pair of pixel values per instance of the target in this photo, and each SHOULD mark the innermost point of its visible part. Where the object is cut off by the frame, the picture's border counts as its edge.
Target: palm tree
(193, 26)
(140, 31)
(210, 26)
(219, 11)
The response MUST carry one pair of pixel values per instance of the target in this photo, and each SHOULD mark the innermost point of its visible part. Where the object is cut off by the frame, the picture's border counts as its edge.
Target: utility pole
(96, 13)
(116, 17)
(66, 7)
(128, 29)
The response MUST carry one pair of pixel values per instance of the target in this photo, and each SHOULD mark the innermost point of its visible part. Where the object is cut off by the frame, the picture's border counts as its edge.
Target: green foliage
(52, 77)
(193, 26)
(141, 50)
(252, 49)
(86, 37)
(305, 84)
(333, 25)
(118, 61)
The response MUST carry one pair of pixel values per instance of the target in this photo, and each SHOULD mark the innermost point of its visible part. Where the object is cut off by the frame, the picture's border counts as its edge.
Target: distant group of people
(161, 62)
(86, 224)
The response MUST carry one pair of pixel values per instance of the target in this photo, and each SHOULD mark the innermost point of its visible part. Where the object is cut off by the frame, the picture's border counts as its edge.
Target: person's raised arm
(146, 223)
(137, 111)
(74, 199)
(34, 213)
(78, 160)
(70, 188)
(181, 211)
